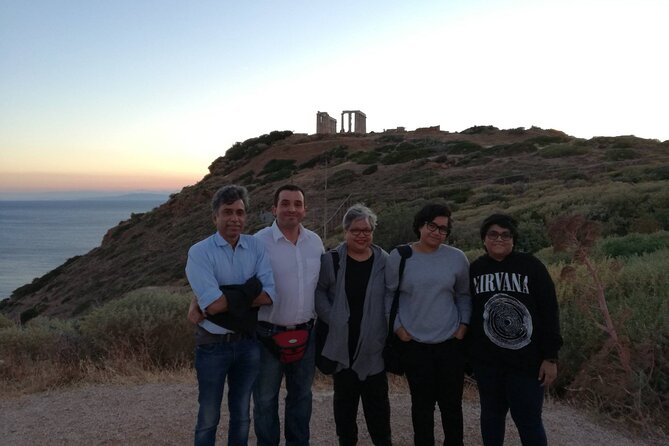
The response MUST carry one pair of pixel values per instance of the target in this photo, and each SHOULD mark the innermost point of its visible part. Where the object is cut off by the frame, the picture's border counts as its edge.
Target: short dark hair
(502, 220)
(228, 195)
(291, 187)
(429, 213)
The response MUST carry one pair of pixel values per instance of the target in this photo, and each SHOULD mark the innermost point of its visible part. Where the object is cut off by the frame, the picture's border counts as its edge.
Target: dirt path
(164, 414)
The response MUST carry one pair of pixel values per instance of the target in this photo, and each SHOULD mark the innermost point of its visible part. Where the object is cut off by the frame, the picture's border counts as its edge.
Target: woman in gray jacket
(350, 298)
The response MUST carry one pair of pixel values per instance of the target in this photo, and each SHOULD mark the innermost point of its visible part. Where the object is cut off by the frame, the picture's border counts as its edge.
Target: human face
(496, 247)
(359, 236)
(230, 220)
(433, 234)
(290, 209)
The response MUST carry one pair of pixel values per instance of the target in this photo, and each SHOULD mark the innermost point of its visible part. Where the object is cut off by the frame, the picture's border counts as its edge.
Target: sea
(38, 236)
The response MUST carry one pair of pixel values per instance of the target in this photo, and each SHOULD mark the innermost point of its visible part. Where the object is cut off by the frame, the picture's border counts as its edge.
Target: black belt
(305, 326)
(230, 337)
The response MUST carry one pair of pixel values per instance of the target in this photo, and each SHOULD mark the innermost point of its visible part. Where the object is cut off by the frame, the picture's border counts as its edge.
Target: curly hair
(428, 213)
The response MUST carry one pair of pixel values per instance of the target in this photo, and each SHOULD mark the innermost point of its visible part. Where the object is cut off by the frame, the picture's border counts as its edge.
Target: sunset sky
(130, 95)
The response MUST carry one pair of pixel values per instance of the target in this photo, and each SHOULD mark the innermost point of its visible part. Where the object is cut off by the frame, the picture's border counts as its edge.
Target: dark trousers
(502, 389)
(348, 390)
(435, 373)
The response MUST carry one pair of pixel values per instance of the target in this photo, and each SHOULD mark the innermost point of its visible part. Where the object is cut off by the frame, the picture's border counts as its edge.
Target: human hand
(195, 315)
(403, 334)
(461, 332)
(547, 372)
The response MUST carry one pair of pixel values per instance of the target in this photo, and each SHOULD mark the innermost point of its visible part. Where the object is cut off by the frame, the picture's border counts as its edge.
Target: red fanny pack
(290, 345)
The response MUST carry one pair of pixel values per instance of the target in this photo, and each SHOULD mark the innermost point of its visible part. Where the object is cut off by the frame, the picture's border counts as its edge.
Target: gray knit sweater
(434, 294)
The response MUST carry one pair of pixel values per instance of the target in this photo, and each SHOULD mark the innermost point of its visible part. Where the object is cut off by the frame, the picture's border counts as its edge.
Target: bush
(6, 322)
(341, 177)
(40, 339)
(254, 146)
(636, 291)
(333, 156)
(633, 244)
(478, 129)
(394, 226)
(621, 154)
(515, 148)
(361, 157)
(275, 165)
(148, 322)
(562, 151)
(370, 170)
(462, 147)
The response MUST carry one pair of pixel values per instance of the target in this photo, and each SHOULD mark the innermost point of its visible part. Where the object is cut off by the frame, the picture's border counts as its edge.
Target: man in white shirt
(294, 253)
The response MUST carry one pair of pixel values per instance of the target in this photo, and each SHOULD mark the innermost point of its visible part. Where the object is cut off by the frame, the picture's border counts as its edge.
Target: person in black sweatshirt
(514, 334)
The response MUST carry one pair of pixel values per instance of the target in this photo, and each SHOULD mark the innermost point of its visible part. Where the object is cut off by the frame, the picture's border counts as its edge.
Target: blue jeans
(502, 389)
(239, 361)
(299, 376)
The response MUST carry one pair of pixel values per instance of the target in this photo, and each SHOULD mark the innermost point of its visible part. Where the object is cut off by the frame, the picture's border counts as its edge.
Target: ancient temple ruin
(355, 122)
(325, 123)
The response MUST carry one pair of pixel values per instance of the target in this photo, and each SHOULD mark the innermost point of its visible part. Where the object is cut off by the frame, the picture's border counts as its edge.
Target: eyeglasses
(359, 232)
(494, 235)
(443, 230)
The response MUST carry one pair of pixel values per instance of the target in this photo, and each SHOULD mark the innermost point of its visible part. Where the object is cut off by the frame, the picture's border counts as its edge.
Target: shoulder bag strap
(405, 253)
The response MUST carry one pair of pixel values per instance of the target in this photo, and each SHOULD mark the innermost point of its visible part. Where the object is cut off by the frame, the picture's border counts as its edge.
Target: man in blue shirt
(226, 258)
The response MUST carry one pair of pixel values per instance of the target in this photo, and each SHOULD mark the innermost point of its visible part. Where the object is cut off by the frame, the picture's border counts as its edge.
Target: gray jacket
(332, 307)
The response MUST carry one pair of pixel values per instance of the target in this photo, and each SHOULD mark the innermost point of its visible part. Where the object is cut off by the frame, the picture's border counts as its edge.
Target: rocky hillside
(533, 173)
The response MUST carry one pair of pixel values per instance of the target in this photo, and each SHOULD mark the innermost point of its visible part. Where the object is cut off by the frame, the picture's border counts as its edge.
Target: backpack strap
(405, 252)
(335, 261)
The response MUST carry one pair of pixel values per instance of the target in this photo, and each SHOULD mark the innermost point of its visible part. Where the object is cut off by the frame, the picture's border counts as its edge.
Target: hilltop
(535, 174)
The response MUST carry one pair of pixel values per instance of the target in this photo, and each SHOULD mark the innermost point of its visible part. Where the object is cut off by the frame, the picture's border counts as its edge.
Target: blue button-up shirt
(212, 262)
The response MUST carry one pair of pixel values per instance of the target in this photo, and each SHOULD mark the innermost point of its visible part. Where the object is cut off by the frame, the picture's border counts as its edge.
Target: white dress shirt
(296, 268)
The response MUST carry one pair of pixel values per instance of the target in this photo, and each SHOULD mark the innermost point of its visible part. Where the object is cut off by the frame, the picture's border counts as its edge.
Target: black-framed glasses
(443, 230)
(494, 235)
(359, 232)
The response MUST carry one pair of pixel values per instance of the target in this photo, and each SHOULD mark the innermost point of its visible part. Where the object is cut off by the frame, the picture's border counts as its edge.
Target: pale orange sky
(124, 95)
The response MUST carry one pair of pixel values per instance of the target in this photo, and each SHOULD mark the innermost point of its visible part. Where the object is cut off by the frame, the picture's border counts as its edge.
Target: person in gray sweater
(350, 299)
(434, 311)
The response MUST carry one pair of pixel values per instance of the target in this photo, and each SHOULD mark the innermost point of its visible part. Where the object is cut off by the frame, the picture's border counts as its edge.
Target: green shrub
(458, 194)
(637, 295)
(254, 146)
(275, 165)
(621, 154)
(149, 321)
(390, 138)
(245, 178)
(341, 177)
(633, 244)
(369, 157)
(474, 159)
(6, 322)
(515, 148)
(404, 155)
(370, 169)
(40, 339)
(478, 129)
(462, 147)
(546, 140)
(394, 225)
(659, 173)
(562, 151)
(332, 156)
